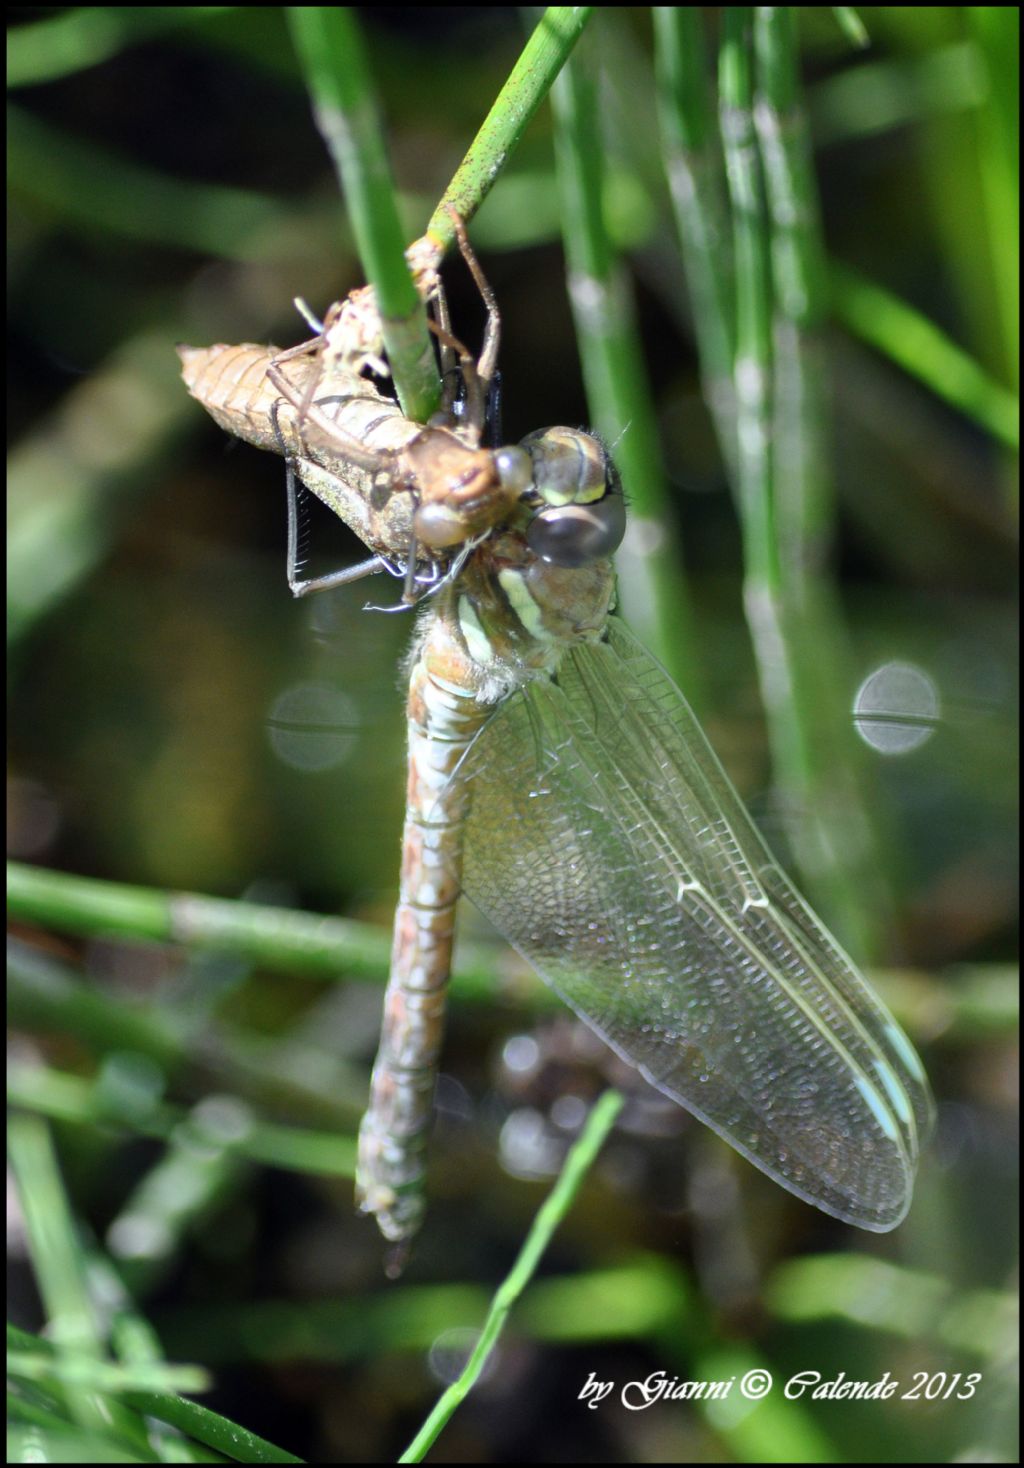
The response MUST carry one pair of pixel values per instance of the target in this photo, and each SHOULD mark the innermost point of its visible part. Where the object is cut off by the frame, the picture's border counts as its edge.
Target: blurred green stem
(330, 47)
(529, 82)
(87, 35)
(836, 841)
(74, 1101)
(654, 593)
(917, 345)
(996, 29)
(48, 997)
(782, 489)
(70, 478)
(57, 1266)
(851, 25)
(804, 499)
(228, 1439)
(277, 937)
(691, 148)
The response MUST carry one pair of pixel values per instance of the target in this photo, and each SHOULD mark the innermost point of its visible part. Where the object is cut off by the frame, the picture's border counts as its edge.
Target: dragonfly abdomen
(444, 716)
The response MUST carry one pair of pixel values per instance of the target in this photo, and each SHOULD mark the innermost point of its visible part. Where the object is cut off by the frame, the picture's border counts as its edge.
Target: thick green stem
(529, 82)
(835, 840)
(330, 46)
(693, 163)
(774, 586)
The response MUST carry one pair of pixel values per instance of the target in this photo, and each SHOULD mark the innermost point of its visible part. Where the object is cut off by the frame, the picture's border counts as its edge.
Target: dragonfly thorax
(517, 614)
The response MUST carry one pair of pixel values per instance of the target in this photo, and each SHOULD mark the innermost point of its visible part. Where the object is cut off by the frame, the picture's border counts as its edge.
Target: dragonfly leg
(488, 358)
(301, 349)
(451, 408)
(449, 378)
(296, 585)
(473, 417)
(315, 345)
(313, 413)
(409, 593)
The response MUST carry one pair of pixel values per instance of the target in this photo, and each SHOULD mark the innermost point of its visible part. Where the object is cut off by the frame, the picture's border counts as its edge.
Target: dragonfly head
(580, 515)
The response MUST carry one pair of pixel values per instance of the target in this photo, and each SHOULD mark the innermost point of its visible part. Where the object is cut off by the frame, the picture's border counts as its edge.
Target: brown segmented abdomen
(232, 384)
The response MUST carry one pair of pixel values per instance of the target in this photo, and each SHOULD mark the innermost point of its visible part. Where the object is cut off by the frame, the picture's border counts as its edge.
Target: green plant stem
(64, 500)
(529, 82)
(754, 376)
(752, 366)
(57, 1266)
(691, 149)
(277, 937)
(776, 247)
(835, 842)
(638, 1299)
(851, 25)
(804, 502)
(75, 1101)
(577, 1164)
(330, 47)
(917, 345)
(194, 1421)
(87, 35)
(654, 593)
(106, 1376)
(47, 997)
(996, 30)
(100, 190)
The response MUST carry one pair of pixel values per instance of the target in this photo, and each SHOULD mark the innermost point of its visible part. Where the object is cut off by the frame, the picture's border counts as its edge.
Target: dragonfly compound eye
(569, 467)
(576, 535)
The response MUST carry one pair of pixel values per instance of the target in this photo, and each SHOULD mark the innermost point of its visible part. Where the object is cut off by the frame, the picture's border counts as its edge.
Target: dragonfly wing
(605, 841)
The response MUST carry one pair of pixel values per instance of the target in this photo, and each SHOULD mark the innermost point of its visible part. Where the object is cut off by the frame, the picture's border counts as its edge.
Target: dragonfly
(559, 778)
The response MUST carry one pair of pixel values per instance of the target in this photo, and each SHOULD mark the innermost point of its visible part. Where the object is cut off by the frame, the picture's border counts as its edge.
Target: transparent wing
(605, 841)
